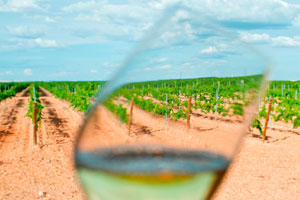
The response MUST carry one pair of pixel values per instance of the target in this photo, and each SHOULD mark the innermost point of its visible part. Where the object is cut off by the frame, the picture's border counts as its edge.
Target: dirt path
(44, 171)
(204, 133)
(268, 170)
(10, 111)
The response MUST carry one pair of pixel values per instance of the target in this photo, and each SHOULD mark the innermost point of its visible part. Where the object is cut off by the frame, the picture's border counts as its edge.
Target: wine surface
(148, 173)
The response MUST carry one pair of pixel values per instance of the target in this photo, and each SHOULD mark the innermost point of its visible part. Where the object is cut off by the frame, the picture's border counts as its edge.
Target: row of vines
(218, 96)
(8, 90)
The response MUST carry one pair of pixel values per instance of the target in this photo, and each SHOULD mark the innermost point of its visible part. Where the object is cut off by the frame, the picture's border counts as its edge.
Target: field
(161, 111)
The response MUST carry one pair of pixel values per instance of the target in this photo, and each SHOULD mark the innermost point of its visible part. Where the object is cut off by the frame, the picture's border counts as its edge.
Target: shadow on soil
(54, 120)
(9, 119)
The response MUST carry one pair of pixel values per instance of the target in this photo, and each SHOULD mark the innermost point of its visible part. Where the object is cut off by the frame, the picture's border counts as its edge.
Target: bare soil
(269, 170)
(44, 171)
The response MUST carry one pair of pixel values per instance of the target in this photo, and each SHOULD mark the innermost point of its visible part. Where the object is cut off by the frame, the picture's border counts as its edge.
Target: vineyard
(55, 111)
(220, 98)
(8, 90)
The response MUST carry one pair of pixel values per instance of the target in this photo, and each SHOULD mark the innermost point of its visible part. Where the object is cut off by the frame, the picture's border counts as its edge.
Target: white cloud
(187, 65)
(168, 66)
(27, 72)
(296, 21)
(267, 11)
(286, 41)
(131, 20)
(158, 60)
(109, 65)
(18, 5)
(63, 74)
(168, 36)
(109, 12)
(102, 20)
(125, 21)
(80, 6)
(255, 38)
(24, 31)
(49, 19)
(9, 73)
(147, 69)
(45, 43)
(280, 41)
(161, 4)
(26, 43)
(117, 12)
(209, 50)
(94, 71)
(162, 59)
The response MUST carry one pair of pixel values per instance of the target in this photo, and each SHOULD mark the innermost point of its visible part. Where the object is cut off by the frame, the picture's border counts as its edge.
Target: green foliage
(179, 114)
(296, 123)
(151, 97)
(8, 90)
(263, 112)
(286, 101)
(34, 97)
(237, 108)
(79, 94)
(257, 124)
(118, 110)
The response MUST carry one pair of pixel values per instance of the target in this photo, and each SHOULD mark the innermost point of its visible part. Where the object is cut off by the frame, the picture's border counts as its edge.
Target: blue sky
(88, 40)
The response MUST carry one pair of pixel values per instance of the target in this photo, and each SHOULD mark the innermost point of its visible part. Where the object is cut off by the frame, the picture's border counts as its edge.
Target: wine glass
(167, 125)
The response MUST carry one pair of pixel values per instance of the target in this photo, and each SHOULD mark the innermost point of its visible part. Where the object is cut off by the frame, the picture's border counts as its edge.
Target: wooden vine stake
(130, 115)
(34, 124)
(188, 113)
(166, 117)
(217, 97)
(267, 120)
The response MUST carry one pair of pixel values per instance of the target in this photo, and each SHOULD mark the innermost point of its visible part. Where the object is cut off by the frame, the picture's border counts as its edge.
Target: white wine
(149, 173)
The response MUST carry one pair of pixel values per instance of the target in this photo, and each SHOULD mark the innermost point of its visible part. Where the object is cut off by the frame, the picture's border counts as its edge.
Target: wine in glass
(167, 125)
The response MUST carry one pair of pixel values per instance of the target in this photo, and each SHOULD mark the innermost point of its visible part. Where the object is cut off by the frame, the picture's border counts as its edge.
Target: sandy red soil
(269, 170)
(44, 171)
